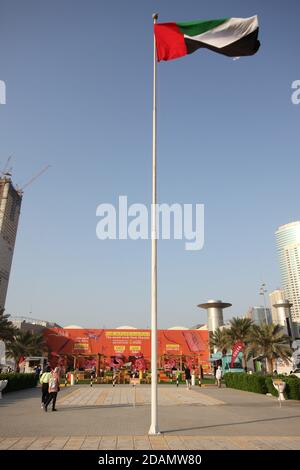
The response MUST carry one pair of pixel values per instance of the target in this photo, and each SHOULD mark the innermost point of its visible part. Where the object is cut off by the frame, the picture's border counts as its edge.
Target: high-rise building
(288, 247)
(260, 315)
(10, 204)
(275, 296)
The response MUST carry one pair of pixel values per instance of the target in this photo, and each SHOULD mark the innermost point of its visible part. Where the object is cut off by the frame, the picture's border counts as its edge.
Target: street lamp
(262, 291)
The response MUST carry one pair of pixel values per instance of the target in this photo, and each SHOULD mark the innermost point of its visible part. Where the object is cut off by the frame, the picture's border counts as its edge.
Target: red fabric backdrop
(126, 342)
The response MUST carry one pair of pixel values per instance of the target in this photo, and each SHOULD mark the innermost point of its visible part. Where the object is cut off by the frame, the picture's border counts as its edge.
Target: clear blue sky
(79, 91)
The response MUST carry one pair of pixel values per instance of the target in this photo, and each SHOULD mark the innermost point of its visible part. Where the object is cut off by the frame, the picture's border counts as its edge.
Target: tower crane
(21, 190)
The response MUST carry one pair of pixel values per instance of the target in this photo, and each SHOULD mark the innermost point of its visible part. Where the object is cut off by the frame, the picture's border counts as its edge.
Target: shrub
(263, 384)
(248, 382)
(270, 386)
(18, 381)
(292, 389)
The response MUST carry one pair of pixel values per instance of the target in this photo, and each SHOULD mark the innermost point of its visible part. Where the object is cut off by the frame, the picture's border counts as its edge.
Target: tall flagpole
(154, 414)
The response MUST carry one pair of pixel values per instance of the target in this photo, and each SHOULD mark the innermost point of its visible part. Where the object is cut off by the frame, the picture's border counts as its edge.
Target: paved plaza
(103, 417)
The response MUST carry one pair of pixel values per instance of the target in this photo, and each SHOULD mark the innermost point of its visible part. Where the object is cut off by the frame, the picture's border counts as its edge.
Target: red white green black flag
(233, 37)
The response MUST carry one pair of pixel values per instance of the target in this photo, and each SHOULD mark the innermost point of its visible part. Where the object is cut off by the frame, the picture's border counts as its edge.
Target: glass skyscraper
(288, 247)
(260, 315)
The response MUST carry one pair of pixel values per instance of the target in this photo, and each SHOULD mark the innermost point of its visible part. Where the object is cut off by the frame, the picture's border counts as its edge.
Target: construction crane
(6, 170)
(21, 190)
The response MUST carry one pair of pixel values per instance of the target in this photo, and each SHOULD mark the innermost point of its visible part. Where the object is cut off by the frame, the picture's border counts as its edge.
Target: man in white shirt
(219, 376)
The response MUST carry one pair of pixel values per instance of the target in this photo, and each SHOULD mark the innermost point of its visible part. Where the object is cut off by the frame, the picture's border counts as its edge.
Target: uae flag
(233, 37)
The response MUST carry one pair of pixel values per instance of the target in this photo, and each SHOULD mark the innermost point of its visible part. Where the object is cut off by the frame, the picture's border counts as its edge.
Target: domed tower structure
(284, 317)
(214, 313)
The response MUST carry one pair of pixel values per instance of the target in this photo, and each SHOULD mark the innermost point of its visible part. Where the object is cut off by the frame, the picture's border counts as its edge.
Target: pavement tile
(8, 442)
(223, 443)
(74, 443)
(206, 444)
(124, 442)
(158, 443)
(240, 443)
(101, 398)
(108, 443)
(23, 443)
(196, 443)
(141, 442)
(276, 443)
(244, 442)
(293, 444)
(175, 443)
(259, 444)
(91, 443)
(140, 397)
(57, 443)
(40, 443)
(68, 396)
(210, 443)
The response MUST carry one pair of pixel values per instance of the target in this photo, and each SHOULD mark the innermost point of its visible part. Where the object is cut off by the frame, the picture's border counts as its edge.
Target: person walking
(200, 377)
(53, 389)
(91, 380)
(188, 377)
(178, 377)
(37, 372)
(219, 376)
(44, 381)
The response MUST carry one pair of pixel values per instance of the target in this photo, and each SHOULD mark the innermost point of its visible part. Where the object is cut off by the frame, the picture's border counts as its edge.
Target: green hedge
(18, 381)
(270, 387)
(292, 389)
(248, 382)
(263, 384)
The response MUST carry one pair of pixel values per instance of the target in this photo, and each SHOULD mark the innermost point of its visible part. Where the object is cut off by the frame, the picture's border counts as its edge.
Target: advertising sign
(126, 343)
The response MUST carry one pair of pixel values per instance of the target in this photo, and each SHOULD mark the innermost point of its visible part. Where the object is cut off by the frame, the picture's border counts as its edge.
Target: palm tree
(239, 330)
(25, 344)
(15, 350)
(38, 345)
(219, 339)
(7, 329)
(271, 342)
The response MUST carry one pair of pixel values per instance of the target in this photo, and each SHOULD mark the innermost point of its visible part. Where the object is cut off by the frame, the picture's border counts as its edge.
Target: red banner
(236, 349)
(125, 344)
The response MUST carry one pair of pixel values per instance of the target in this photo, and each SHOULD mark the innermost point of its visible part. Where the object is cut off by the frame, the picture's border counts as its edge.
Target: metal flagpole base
(153, 431)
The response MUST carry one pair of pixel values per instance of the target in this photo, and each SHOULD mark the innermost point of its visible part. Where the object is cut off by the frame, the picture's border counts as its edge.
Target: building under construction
(10, 205)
